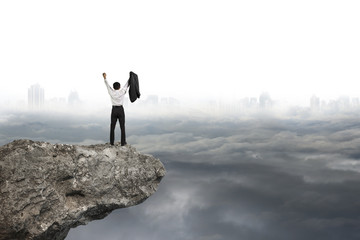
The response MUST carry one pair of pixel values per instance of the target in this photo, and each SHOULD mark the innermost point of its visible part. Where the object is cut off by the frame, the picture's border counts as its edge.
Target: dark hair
(116, 85)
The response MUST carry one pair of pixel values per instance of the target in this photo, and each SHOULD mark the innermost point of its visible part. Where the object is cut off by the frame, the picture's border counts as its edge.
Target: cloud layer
(260, 178)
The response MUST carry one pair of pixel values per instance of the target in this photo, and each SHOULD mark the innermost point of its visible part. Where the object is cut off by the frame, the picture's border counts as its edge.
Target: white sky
(186, 49)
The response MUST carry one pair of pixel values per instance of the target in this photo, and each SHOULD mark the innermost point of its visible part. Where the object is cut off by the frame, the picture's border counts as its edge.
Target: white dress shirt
(117, 96)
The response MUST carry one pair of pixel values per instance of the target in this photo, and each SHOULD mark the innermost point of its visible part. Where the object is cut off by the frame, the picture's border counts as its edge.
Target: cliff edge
(46, 189)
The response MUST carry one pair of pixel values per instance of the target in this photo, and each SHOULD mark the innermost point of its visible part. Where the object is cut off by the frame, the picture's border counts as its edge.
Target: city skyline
(300, 100)
(165, 105)
(36, 97)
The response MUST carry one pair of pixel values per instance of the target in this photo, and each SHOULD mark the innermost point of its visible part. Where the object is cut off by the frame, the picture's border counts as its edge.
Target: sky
(185, 49)
(227, 179)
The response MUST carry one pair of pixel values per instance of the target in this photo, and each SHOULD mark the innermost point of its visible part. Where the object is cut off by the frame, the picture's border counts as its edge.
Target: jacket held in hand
(134, 92)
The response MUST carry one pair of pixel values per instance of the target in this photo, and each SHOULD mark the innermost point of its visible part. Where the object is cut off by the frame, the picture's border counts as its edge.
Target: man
(117, 99)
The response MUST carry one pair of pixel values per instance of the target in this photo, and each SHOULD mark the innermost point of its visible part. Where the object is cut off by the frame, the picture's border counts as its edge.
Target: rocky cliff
(46, 189)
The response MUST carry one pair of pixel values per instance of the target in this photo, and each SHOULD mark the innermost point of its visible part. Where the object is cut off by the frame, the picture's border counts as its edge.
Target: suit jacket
(134, 92)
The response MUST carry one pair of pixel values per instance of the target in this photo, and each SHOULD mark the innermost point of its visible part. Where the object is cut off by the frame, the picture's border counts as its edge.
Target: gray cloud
(260, 178)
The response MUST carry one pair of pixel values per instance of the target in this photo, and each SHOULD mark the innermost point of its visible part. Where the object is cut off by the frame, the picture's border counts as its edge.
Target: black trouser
(117, 112)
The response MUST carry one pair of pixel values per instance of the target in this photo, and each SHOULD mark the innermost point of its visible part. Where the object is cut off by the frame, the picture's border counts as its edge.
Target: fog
(263, 175)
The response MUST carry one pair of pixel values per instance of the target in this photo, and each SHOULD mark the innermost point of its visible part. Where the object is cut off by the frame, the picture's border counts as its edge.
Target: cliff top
(46, 189)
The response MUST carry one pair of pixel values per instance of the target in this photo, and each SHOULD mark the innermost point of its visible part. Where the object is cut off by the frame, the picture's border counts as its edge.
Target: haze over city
(169, 106)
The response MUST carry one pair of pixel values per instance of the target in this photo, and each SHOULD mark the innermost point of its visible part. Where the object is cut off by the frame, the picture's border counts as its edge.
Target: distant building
(265, 100)
(253, 103)
(344, 102)
(73, 98)
(152, 100)
(36, 96)
(169, 101)
(315, 103)
(244, 103)
(355, 102)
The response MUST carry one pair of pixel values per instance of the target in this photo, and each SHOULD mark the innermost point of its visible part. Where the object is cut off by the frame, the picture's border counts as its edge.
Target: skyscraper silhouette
(35, 96)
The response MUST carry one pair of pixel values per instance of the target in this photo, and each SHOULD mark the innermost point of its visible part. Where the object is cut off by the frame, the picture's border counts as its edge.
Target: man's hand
(104, 75)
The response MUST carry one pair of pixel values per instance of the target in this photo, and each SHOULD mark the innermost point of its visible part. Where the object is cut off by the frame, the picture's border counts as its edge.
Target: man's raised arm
(125, 87)
(107, 84)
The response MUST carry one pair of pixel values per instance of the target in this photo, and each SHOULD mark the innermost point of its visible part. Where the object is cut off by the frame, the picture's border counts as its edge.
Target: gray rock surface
(46, 189)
